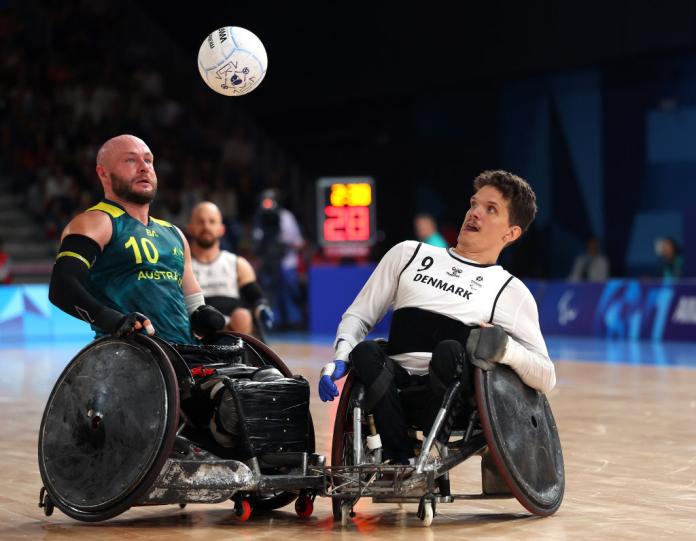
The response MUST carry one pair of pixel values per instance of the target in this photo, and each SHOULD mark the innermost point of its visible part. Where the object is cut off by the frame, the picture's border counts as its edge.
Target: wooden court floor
(628, 434)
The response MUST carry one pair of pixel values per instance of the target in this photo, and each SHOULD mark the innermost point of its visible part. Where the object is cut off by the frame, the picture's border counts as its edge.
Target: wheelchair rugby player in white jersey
(463, 342)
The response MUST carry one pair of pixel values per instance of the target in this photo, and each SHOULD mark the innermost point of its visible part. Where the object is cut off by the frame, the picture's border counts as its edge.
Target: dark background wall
(593, 102)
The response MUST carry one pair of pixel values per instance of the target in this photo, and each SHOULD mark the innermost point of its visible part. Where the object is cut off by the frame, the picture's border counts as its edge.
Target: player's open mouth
(471, 227)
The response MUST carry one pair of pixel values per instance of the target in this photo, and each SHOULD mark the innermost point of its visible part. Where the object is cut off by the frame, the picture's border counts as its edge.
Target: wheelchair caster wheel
(427, 514)
(426, 511)
(304, 506)
(182, 506)
(46, 502)
(346, 513)
(242, 510)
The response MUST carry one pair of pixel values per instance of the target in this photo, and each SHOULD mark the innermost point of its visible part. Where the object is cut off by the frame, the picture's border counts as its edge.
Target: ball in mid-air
(232, 61)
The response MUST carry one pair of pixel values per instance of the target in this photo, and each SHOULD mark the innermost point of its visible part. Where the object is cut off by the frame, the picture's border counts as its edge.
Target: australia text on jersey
(160, 275)
(443, 285)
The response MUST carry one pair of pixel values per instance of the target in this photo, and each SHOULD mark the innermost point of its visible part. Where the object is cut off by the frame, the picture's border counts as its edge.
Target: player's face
(486, 224)
(206, 227)
(132, 174)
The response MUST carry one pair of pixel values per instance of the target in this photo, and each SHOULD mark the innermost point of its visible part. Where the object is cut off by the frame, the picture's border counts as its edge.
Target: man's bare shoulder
(93, 224)
(245, 271)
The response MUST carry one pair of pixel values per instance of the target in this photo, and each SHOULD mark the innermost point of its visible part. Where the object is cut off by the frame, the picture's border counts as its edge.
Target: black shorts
(226, 305)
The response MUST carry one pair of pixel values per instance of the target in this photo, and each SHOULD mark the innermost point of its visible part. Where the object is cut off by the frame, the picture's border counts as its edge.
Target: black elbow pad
(252, 294)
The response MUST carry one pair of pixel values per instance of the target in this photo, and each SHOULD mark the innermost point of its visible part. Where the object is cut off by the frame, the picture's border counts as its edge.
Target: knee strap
(379, 387)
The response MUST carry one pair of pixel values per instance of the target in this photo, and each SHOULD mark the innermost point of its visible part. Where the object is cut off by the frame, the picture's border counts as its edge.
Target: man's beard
(207, 242)
(122, 188)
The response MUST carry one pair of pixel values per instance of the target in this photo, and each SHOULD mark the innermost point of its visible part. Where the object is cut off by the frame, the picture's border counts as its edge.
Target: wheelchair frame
(183, 472)
(427, 481)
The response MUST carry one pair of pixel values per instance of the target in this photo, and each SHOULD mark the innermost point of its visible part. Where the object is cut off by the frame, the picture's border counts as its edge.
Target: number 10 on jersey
(346, 214)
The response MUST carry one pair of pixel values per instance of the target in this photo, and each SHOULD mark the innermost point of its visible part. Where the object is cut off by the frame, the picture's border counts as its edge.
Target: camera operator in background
(277, 242)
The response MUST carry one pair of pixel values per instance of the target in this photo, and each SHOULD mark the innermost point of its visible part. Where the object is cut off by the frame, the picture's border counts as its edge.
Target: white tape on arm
(328, 369)
(193, 301)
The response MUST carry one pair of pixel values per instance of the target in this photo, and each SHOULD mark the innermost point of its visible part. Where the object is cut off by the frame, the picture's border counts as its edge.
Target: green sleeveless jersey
(141, 270)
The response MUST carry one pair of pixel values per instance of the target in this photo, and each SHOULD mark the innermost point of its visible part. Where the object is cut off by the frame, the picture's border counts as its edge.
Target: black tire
(341, 444)
(542, 492)
(162, 447)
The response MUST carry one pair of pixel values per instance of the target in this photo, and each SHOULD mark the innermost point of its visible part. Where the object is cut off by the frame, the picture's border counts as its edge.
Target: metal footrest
(374, 480)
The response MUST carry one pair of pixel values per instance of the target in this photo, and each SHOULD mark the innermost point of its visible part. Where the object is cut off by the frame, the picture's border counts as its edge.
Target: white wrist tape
(328, 369)
(193, 301)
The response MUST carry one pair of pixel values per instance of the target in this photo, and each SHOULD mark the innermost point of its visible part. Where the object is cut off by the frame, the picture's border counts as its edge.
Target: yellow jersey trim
(76, 256)
(165, 223)
(112, 210)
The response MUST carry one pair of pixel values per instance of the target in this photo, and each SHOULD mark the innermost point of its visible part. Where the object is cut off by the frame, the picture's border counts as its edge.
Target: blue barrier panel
(331, 290)
(26, 314)
(619, 309)
(568, 309)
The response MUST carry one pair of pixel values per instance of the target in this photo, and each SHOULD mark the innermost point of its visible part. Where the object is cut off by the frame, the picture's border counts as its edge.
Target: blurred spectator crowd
(83, 85)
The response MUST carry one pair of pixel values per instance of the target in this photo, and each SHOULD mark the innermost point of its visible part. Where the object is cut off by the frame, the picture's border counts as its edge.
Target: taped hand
(329, 374)
(130, 323)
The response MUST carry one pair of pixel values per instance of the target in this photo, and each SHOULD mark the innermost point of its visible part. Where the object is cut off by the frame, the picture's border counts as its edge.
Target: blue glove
(265, 315)
(330, 373)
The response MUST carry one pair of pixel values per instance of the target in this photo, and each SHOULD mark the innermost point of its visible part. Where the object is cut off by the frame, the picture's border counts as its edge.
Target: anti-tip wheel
(427, 514)
(304, 506)
(242, 510)
(346, 512)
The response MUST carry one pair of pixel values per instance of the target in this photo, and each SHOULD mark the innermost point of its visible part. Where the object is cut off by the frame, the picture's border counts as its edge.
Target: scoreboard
(346, 215)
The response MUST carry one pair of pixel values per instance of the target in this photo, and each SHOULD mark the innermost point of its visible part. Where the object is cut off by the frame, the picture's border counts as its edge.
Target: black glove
(126, 325)
(486, 346)
(206, 321)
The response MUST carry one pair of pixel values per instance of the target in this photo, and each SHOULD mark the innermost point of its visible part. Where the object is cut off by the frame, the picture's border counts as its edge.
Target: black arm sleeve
(252, 295)
(68, 289)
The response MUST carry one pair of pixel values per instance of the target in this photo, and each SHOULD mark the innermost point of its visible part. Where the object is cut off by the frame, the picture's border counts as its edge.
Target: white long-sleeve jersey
(436, 294)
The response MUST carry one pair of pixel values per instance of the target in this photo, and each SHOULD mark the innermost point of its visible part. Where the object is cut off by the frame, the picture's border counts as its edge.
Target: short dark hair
(517, 191)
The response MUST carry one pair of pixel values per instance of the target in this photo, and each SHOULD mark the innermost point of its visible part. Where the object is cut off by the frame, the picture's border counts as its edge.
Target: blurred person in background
(228, 280)
(672, 263)
(277, 242)
(590, 266)
(426, 231)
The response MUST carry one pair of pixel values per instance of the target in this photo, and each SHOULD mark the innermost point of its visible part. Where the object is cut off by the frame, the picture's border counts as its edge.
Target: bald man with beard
(120, 269)
(228, 280)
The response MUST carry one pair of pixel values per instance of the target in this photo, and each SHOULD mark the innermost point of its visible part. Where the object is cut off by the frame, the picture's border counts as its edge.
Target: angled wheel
(522, 439)
(108, 427)
(342, 453)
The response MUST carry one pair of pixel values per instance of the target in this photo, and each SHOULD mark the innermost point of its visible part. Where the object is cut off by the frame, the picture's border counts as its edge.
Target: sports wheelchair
(510, 426)
(127, 424)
